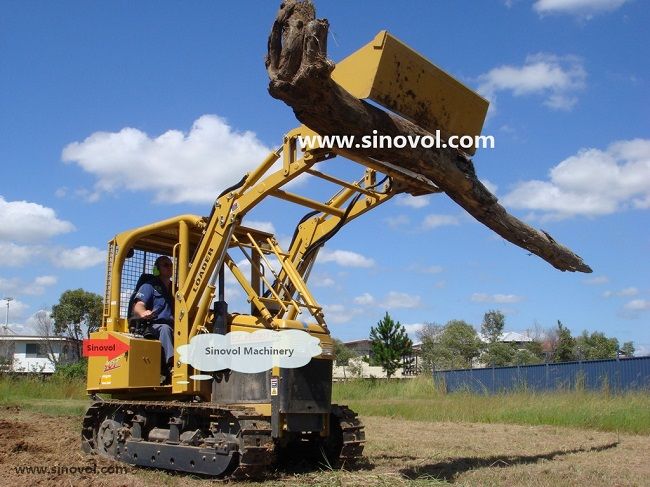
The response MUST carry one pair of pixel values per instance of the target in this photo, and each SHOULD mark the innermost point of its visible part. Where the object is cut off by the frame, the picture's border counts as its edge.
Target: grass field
(398, 453)
(416, 435)
(420, 400)
(48, 395)
(416, 399)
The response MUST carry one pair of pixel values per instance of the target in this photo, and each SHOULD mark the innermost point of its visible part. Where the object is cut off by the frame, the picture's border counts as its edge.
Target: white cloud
(491, 187)
(435, 221)
(637, 305)
(392, 300)
(17, 311)
(366, 299)
(432, 269)
(35, 323)
(176, 166)
(338, 314)
(496, 298)
(8, 287)
(262, 226)
(412, 201)
(23, 221)
(397, 221)
(634, 309)
(12, 255)
(40, 283)
(16, 286)
(554, 77)
(345, 258)
(596, 280)
(592, 182)
(401, 300)
(321, 281)
(78, 257)
(583, 8)
(25, 228)
(413, 328)
(627, 292)
(45, 280)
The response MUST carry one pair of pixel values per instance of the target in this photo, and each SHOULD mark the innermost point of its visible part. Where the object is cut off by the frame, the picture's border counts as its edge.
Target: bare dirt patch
(398, 452)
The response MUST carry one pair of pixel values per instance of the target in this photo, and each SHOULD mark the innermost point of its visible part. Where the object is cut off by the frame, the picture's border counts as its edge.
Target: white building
(25, 353)
(512, 337)
(358, 368)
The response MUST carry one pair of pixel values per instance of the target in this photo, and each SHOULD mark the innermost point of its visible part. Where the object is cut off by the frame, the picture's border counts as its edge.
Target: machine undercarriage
(209, 438)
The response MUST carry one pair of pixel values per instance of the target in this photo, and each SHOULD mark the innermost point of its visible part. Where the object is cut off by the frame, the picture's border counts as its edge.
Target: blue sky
(116, 114)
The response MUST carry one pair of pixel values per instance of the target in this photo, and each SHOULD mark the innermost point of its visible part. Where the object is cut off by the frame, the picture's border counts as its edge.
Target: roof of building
(32, 338)
(356, 342)
(510, 337)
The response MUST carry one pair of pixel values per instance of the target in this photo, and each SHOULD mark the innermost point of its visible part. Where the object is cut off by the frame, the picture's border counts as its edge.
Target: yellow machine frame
(195, 289)
(199, 246)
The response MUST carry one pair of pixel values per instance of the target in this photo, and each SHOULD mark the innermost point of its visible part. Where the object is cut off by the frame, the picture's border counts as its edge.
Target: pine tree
(565, 351)
(390, 344)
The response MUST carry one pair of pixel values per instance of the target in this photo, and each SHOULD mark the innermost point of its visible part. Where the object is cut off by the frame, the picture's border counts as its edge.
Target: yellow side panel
(392, 74)
(250, 324)
(138, 367)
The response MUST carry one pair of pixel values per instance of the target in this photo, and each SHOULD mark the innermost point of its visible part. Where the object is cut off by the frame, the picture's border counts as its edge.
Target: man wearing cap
(153, 302)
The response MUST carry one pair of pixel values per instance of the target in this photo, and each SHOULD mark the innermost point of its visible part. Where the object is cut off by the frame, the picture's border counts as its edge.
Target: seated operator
(153, 302)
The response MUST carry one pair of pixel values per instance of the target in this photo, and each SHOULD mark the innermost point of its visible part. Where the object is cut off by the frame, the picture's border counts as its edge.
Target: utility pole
(8, 300)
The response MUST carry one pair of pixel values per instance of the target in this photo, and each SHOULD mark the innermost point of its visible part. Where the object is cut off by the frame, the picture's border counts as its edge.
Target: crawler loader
(236, 423)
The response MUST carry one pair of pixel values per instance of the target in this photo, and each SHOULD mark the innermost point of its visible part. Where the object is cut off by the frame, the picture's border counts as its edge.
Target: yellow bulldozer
(228, 422)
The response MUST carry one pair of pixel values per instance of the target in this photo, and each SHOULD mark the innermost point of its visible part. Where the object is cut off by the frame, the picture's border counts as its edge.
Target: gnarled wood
(299, 73)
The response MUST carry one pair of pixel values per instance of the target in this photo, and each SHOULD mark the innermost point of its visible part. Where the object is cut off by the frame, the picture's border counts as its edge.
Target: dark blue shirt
(155, 298)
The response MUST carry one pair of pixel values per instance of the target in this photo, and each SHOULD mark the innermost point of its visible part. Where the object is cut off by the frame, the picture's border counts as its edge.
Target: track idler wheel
(108, 437)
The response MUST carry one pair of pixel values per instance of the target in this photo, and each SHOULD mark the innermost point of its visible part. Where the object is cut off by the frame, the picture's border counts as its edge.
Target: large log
(299, 73)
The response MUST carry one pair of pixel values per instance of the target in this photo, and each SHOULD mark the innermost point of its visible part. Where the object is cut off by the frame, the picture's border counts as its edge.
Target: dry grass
(398, 453)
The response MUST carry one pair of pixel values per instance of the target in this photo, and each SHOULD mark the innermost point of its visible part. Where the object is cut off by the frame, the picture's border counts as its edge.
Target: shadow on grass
(450, 469)
(296, 463)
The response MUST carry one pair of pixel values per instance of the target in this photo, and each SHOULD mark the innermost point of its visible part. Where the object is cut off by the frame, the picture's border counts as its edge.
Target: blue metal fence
(615, 375)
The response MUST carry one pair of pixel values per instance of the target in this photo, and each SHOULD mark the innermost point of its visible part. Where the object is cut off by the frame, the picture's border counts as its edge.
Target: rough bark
(299, 73)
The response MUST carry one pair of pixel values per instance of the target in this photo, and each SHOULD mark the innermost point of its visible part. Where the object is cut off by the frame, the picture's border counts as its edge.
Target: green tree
(628, 349)
(452, 346)
(595, 346)
(498, 354)
(390, 344)
(432, 354)
(493, 324)
(565, 347)
(342, 352)
(535, 351)
(525, 356)
(78, 314)
(461, 342)
(495, 353)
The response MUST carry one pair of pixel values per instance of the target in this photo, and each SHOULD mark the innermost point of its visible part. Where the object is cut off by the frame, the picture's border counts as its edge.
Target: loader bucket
(392, 74)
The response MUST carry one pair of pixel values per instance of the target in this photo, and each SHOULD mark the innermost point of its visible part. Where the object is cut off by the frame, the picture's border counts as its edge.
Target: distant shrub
(72, 371)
